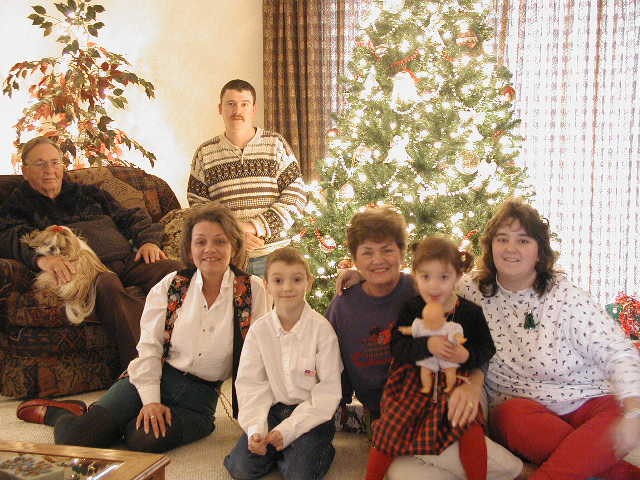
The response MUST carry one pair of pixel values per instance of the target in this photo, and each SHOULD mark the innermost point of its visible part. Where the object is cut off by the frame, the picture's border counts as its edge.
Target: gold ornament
(467, 39)
(467, 162)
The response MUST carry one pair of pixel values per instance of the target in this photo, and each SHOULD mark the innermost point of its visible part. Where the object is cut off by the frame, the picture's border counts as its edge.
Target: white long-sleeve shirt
(299, 367)
(576, 351)
(202, 338)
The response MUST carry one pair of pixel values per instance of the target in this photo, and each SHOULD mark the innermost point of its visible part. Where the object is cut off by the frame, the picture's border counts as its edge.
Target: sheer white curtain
(575, 67)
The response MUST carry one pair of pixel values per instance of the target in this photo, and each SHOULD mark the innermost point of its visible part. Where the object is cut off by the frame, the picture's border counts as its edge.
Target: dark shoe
(35, 410)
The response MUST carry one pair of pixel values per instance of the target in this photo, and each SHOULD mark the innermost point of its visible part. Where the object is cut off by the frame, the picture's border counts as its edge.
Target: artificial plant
(73, 92)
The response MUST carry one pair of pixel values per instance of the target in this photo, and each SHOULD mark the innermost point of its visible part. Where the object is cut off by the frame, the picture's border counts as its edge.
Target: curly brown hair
(214, 213)
(536, 226)
(438, 247)
(377, 224)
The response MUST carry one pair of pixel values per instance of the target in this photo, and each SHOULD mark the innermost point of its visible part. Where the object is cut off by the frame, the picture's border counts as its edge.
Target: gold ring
(470, 404)
(152, 417)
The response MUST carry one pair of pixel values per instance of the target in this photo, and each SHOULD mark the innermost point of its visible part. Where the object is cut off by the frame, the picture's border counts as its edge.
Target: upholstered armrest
(14, 277)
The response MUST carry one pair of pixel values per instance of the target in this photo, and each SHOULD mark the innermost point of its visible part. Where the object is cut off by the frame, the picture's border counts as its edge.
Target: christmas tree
(426, 125)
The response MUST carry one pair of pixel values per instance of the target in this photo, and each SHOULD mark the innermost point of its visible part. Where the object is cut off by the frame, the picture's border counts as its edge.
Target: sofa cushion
(127, 195)
(103, 236)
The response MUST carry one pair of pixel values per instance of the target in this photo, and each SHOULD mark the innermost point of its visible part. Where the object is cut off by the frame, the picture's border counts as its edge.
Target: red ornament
(333, 132)
(327, 244)
(345, 264)
(509, 91)
(471, 234)
(629, 314)
(498, 133)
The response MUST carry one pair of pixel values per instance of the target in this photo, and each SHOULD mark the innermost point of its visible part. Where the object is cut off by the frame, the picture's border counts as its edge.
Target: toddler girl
(415, 423)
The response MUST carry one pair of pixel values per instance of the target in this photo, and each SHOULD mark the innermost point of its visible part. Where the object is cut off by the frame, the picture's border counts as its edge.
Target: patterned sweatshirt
(574, 353)
(261, 183)
(26, 210)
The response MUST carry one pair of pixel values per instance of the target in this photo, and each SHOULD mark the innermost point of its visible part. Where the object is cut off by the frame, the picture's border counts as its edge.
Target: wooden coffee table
(126, 465)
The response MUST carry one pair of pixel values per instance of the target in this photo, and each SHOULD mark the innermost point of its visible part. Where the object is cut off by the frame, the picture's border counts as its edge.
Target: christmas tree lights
(426, 125)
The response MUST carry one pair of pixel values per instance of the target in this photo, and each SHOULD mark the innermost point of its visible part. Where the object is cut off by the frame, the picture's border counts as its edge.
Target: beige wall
(187, 48)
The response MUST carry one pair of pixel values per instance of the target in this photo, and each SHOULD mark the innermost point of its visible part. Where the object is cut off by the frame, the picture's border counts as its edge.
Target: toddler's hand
(440, 347)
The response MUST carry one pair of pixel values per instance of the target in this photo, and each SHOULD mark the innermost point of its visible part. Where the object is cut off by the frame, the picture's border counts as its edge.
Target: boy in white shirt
(288, 382)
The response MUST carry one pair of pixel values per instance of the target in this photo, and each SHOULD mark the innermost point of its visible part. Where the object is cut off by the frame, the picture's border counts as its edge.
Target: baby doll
(434, 322)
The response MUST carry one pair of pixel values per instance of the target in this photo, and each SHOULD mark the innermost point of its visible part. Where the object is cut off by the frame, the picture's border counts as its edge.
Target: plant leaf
(39, 9)
(98, 8)
(64, 39)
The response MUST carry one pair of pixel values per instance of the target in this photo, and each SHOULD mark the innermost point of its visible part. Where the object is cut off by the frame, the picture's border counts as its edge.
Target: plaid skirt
(410, 422)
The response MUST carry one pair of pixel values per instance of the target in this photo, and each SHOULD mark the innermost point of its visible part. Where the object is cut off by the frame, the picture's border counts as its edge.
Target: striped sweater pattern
(261, 183)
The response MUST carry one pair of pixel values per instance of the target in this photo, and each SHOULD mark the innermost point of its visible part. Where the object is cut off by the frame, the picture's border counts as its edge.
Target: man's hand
(258, 444)
(62, 269)
(150, 253)
(154, 415)
(251, 239)
(275, 438)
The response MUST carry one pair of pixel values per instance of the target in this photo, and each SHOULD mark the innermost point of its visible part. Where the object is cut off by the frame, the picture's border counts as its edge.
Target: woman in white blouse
(192, 331)
(565, 381)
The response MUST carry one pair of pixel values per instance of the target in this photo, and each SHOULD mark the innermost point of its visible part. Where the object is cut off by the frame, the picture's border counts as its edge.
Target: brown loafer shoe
(35, 410)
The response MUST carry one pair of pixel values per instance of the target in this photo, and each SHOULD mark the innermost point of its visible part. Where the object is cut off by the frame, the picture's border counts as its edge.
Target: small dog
(79, 294)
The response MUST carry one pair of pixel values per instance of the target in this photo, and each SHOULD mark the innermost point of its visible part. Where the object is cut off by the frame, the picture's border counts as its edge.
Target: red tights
(473, 455)
(567, 447)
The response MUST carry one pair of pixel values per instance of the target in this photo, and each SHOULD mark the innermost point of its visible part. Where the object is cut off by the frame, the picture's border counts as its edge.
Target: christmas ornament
(404, 94)
(497, 134)
(485, 171)
(474, 135)
(362, 155)
(347, 192)
(371, 86)
(333, 132)
(432, 31)
(467, 162)
(467, 39)
(508, 92)
(397, 151)
(626, 311)
(327, 244)
(393, 6)
(345, 264)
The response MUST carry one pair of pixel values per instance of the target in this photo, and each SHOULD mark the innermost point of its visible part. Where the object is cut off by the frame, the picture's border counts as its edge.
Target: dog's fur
(79, 294)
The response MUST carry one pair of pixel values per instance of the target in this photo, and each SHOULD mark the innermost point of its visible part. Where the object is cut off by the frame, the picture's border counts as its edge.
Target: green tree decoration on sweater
(71, 93)
(426, 125)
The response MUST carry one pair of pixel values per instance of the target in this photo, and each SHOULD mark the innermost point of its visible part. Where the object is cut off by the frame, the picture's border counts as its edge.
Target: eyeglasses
(43, 164)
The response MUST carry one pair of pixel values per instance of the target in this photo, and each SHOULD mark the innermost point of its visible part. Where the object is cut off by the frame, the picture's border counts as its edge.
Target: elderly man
(252, 171)
(47, 198)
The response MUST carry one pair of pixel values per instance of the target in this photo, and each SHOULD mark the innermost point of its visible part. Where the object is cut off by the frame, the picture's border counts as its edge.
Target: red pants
(575, 446)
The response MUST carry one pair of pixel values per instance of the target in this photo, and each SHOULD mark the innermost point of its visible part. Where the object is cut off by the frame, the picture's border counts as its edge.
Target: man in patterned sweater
(252, 171)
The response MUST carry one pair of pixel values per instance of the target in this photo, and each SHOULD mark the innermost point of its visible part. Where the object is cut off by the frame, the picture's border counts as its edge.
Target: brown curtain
(305, 47)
